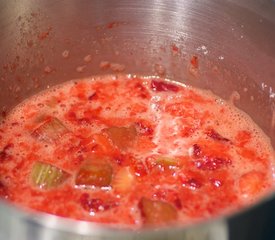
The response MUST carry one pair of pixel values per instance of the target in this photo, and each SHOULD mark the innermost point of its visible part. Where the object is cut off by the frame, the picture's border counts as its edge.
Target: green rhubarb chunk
(45, 176)
(167, 161)
(94, 174)
(122, 137)
(50, 130)
(156, 212)
(124, 180)
(52, 102)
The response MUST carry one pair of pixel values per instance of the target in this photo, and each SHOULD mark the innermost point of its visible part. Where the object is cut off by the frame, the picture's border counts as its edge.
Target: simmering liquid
(132, 152)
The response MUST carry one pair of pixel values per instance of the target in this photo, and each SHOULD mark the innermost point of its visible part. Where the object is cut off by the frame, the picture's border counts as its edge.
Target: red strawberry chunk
(160, 86)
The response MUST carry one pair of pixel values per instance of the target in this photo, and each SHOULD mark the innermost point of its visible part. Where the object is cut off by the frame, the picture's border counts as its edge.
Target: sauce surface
(132, 152)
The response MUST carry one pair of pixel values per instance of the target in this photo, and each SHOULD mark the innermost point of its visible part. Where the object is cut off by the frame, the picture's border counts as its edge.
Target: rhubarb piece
(95, 174)
(123, 180)
(50, 130)
(157, 212)
(167, 161)
(122, 137)
(44, 175)
(52, 102)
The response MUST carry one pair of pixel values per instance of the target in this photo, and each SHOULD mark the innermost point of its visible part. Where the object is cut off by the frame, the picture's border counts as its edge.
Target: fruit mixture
(132, 152)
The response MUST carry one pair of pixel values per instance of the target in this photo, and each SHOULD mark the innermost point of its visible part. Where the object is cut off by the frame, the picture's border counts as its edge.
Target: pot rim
(86, 228)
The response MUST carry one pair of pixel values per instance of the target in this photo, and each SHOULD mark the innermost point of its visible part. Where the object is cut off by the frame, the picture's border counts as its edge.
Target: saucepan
(44, 43)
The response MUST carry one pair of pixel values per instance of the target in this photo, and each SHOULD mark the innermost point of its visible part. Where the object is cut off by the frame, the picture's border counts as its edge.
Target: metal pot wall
(43, 43)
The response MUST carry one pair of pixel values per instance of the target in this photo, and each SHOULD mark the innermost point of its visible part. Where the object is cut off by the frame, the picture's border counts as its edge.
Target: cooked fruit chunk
(157, 212)
(212, 163)
(94, 205)
(95, 174)
(122, 137)
(52, 102)
(161, 86)
(216, 136)
(44, 175)
(103, 144)
(123, 180)
(5, 152)
(251, 183)
(50, 130)
(167, 161)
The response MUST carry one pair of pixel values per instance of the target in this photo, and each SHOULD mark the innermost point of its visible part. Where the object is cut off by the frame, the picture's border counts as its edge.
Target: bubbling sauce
(132, 152)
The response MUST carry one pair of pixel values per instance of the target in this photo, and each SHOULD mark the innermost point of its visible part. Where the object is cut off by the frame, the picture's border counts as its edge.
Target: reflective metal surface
(45, 42)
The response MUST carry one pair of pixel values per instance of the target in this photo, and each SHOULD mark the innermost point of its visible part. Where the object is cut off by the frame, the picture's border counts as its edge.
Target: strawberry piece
(243, 137)
(95, 174)
(140, 169)
(5, 152)
(208, 162)
(144, 144)
(121, 160)
(141, 91)
(251, 183)
(192, 183)
(192, 179)
(168, 195)
(195, 61)
(212, 163)
(197, 151)
(160, 86)
(102, 144)
(122, 137)
(216, 136)
(95, 204)
(144, 128)
(94, 96)
(157, 212)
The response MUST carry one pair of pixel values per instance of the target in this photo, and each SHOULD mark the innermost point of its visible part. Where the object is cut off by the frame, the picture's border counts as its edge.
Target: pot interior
(44, 43)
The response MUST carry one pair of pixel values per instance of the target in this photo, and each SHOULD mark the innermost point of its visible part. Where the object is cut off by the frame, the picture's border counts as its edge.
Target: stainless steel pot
(43, 43)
